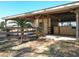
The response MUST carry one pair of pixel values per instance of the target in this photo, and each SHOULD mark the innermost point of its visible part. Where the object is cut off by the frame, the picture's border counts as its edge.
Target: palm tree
(2, 25)
(22, 23)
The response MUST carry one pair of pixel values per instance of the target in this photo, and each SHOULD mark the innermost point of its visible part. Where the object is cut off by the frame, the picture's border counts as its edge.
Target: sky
(8, 8)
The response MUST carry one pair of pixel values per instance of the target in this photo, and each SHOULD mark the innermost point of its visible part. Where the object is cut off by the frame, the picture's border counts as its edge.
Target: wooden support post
(77, 24)
(45, 26)
(36, 22)
(5, 23)
(48, 23)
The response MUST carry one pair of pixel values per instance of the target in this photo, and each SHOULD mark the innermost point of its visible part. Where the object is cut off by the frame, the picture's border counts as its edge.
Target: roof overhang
(65, 7)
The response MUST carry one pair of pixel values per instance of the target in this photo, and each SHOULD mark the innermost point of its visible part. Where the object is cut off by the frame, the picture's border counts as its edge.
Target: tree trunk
(22, 34)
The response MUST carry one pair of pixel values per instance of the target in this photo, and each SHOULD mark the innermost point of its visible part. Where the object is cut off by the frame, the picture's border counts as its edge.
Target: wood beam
(77, 24)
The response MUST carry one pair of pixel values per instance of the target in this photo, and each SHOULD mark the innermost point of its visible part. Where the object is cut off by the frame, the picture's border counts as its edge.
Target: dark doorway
(52, 27)
(54, 23)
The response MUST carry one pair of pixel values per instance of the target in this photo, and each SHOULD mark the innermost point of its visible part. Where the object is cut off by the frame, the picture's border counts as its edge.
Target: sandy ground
(48, 46)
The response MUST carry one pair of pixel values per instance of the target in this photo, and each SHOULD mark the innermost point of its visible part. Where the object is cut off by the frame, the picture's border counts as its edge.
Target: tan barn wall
(57, 30)
(64, 30)
(46, 23)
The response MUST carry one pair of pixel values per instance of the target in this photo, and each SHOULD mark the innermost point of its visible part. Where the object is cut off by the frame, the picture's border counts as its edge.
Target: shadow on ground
(23, 52)
(63, 49)
(47, 48)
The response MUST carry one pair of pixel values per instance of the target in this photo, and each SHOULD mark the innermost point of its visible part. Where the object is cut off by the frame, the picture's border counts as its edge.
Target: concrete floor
(55, 37)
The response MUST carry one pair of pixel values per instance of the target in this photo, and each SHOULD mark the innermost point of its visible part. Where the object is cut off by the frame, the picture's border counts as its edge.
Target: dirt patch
(44, 48)
(7, 53)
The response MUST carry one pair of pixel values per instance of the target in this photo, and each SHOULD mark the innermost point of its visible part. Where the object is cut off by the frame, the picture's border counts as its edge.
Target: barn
(59, 20)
